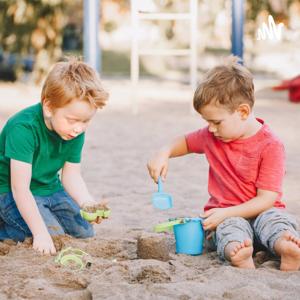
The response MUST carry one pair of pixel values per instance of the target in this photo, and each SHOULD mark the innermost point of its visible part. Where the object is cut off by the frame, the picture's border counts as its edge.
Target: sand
(125, 262)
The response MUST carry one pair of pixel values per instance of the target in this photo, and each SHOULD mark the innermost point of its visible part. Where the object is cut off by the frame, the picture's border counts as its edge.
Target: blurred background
(36, 33)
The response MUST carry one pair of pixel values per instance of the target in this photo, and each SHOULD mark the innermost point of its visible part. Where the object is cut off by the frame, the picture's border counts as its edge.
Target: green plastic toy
(168, 226)
(73, 257)
(92, 216)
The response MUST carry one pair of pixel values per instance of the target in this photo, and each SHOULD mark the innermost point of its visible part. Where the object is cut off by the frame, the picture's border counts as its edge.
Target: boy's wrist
(229, 212)
(165, 152)
(41, 232)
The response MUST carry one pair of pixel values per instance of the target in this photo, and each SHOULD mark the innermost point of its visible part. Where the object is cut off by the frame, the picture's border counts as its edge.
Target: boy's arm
(74, 184)
(20, 183)
(158, 165)
(177, 148)
(263, 201)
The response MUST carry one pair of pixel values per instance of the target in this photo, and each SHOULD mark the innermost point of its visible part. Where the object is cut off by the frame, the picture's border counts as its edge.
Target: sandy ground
(117, 148)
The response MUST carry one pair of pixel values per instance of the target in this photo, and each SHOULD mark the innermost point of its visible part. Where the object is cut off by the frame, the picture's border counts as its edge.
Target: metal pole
(91, 48)
(193, 42)
(135, 66)
(193, 47)
(237, 28)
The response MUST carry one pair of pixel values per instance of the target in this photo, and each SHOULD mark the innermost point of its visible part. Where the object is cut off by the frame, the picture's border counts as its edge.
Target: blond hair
(73, 79)
(229, 85)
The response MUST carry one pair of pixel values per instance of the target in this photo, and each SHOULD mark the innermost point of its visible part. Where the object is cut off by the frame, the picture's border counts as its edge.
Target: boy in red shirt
(246, 168)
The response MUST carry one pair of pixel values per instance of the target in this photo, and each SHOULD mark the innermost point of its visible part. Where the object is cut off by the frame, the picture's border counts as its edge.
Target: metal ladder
(136, 17)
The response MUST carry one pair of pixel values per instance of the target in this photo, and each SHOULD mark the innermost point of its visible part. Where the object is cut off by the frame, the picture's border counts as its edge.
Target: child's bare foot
(288, 248)
(240, 254)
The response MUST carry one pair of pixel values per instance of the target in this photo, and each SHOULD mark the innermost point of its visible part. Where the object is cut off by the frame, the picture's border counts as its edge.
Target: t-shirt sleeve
(74, 155)
(20, 143)
(272, 168)
(196, 141)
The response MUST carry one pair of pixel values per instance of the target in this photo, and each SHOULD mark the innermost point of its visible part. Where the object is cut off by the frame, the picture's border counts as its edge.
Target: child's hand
(97, 221)
(92, 206)
(213, 218)
(158, 166)
(92, 203)
(88, 204)
(44, 244)
(210, 235)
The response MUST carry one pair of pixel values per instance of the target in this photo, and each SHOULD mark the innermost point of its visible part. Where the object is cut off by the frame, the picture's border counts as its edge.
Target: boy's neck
(47, 122)
(253, 127)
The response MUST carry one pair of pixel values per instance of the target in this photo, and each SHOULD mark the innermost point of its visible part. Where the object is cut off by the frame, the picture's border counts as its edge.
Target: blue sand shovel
(160, 199)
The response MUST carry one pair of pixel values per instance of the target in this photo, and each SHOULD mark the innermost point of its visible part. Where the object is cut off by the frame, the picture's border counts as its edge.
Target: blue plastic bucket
(189, 236)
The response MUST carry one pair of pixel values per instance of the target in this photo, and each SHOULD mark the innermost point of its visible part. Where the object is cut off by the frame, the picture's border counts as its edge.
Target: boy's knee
(232, 222)
(83, 231)
(274, 218)
(84, 234)
(271, 224)
(234, 228)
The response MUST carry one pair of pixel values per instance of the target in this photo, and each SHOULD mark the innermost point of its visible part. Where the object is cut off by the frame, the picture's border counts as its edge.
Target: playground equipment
(293, 86)
(91, 46)
(136, 17)
(237, 28)
(92, 51)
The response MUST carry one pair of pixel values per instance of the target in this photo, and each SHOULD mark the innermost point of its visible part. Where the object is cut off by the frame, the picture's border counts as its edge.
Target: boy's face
(71, 120)
(224, 125)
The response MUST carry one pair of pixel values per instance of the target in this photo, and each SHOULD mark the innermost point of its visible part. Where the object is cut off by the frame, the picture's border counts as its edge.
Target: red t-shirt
(238, 168)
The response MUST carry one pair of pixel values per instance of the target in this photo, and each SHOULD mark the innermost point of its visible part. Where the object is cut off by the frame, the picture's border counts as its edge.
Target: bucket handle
(167, 226)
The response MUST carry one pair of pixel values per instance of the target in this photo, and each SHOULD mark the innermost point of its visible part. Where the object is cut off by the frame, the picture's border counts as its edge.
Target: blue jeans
(59, 212)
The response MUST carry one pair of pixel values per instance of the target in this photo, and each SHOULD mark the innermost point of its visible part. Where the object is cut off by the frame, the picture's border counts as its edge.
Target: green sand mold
(73, 257)
(92, 216)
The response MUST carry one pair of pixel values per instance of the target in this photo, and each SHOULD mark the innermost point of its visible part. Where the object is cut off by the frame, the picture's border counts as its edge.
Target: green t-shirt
(26, 138)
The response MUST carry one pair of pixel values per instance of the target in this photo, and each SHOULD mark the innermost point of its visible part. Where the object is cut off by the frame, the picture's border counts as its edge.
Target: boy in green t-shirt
(38, 142)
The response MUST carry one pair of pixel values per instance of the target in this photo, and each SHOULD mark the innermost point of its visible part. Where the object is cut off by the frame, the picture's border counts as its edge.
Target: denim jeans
(60, 213)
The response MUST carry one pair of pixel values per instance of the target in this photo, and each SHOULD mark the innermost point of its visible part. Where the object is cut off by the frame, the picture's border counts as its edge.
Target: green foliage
(19, 19)
(32, 27)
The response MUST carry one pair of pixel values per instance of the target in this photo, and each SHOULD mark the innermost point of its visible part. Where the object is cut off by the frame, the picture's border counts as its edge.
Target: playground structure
(137, 16)
(92, 51)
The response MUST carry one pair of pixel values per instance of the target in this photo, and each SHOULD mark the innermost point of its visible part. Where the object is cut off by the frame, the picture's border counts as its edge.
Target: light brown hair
(229, 85)
(73, 79)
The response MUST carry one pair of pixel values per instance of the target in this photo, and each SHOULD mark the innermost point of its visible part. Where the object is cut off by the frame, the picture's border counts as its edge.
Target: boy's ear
(244, 110)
